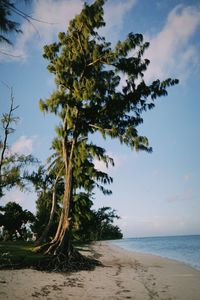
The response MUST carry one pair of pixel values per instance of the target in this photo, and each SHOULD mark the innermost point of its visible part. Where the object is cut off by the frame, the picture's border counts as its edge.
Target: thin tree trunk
(45, 233)
(61, 243)
(6, 128)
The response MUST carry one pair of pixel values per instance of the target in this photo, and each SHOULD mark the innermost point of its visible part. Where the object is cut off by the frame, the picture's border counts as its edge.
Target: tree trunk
(45, 233)
(61, 244)
(43, 237)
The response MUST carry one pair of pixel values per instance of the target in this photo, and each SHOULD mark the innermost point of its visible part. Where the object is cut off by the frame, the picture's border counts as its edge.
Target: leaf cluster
(13, 218)
(14, 171)
(6, 24)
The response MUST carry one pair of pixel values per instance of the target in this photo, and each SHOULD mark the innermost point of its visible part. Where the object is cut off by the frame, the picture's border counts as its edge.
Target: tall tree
(88, 98)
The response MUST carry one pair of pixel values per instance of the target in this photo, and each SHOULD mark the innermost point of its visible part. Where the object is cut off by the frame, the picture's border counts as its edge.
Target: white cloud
(171, 51)
(115, 13)
(23, 145)
(57, 15)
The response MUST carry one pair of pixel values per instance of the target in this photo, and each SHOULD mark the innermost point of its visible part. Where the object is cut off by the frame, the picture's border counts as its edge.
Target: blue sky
(155, 194)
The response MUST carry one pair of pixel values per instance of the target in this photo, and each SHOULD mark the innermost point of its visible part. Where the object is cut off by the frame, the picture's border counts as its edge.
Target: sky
(155, 194)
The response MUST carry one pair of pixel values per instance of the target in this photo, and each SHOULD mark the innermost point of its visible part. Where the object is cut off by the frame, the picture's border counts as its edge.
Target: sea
(184, 249)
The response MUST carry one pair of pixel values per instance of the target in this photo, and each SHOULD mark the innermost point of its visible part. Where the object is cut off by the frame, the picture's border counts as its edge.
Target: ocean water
(185, 249)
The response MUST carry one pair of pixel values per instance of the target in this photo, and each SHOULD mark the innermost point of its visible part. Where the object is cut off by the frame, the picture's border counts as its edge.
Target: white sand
(125, 275)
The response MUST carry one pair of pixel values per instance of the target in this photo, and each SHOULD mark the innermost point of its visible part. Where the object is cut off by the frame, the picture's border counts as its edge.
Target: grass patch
(19, 254)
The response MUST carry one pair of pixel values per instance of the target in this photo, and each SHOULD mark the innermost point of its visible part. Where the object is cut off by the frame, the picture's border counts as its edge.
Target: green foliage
(85, 174)
(103, 220)
(43, 181)
(81, 215)
(111, 232)
(97, 226)
(43, 208)
(14, 220)
(14, 171)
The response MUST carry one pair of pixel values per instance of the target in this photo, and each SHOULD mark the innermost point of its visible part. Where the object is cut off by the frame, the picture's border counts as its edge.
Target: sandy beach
(124, 275)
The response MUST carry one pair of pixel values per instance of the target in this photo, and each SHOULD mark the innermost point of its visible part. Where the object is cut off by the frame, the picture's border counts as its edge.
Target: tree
(12, 165)
(14, 220)
(103, 223)
(111, 232)
(88, 98)
(98, 226)
(6, 120)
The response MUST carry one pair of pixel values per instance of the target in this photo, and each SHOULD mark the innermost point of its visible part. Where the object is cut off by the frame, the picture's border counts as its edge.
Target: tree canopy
(14, 219)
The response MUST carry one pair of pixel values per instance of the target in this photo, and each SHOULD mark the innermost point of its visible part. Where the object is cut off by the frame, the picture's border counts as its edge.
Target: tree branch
(7, 121)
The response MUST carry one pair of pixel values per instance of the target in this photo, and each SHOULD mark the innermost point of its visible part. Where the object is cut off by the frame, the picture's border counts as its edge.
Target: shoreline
(152, 254)
(124, 275)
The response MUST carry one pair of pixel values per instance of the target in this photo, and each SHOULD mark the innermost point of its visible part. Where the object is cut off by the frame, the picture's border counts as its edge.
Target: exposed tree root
(73, 260)
(62, 263)
(41, 248)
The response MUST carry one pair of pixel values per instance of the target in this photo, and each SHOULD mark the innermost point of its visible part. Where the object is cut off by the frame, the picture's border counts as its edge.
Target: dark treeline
(18, 224)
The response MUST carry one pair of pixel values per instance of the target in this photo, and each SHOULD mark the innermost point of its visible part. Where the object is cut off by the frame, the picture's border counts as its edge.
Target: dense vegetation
(88, 99)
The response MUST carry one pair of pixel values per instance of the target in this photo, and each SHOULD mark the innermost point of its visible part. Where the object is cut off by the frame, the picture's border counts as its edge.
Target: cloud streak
(171, 51)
